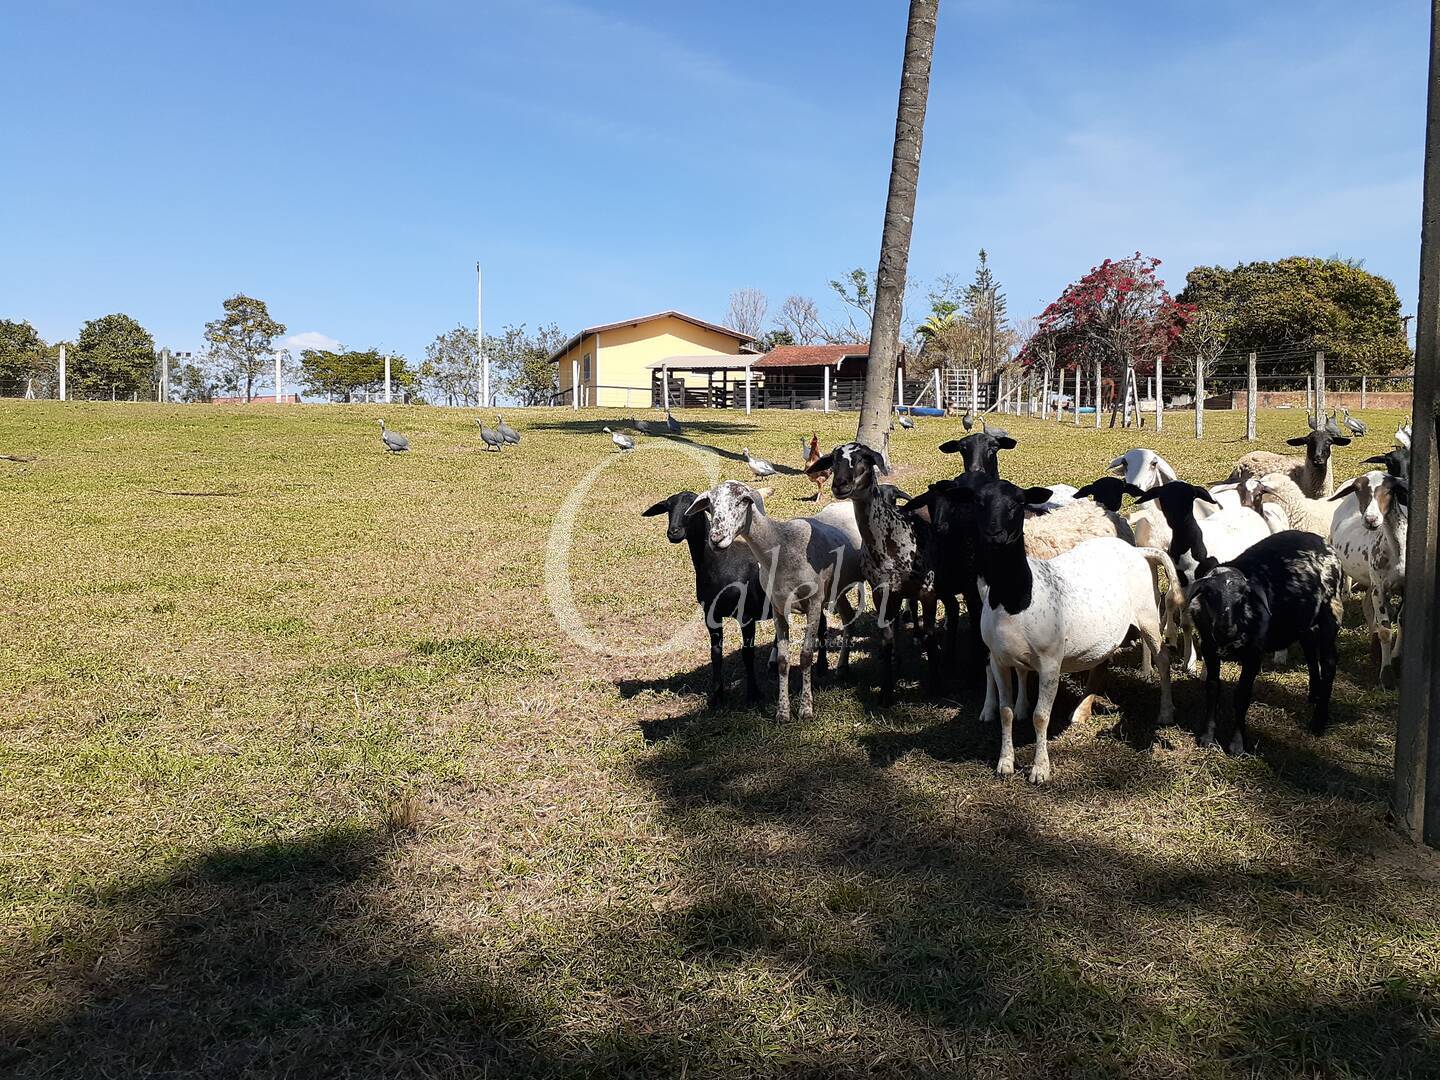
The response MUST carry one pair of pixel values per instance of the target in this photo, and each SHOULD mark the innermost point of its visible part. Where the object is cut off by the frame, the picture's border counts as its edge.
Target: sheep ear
(764, 492)
(900, 493)
(1085, 492)
(1203, 494)
(951, 446)
(821, 465)
(701, 503)
(662, 507)
(1339, 440)
(1006, 442)
(1378, 459)
(1147, 496)
(1400, 490)
(1038, 495)
(1344, 489)
(1297, 442)
(1131, 489)
(920, 501)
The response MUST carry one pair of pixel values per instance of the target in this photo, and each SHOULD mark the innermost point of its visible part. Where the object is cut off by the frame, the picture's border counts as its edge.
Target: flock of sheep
(1055, 579)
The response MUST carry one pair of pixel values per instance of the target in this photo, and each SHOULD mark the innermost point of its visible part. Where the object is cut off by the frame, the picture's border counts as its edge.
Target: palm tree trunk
(899, 220)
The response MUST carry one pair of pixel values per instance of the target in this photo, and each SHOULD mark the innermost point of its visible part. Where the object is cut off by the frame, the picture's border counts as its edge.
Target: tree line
(114, 356)
(1119, 313)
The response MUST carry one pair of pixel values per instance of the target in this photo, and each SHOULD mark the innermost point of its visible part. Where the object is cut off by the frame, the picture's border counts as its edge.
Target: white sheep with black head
(1066, 614)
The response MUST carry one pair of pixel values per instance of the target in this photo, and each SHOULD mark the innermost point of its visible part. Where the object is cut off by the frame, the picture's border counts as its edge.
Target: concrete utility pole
(480, 343)
(62, 373)
(280, 379)
(1252, 391)
(387, 378)
(1415, 796)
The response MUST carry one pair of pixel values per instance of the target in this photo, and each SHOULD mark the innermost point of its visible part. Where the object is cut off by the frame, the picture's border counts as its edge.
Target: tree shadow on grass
(275, 960)
(997, 939)
(690, 437)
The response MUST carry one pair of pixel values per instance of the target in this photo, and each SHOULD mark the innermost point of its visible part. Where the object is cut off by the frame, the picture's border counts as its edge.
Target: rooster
(812, 455)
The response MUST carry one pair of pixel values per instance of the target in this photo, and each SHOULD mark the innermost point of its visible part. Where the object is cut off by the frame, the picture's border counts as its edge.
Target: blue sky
(349, 162)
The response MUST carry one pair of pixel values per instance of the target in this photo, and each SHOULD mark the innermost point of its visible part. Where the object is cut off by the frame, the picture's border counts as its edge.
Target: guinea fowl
(812, 455)
(759, 466)
(905, 421)
(624, 442)
(493, 440)
(395, 443)
(1357, 426)
(508, 433)
(671, 424)
(1332, 428)
(642, 426)
(969, 418)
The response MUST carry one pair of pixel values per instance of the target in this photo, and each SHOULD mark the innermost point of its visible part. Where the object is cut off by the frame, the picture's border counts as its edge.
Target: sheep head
(853, 469)
(981, 450)
(1108, 491)
(730, 504)
(676, 509)
(1144, 468)
(1317, 446)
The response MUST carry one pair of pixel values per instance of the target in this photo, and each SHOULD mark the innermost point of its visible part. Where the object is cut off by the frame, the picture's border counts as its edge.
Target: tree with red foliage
(1119, 313)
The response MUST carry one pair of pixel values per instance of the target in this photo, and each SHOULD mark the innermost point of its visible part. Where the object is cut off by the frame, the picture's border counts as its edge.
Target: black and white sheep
(1284, 590)
(1066, 614)
(895, 554)
(727, 586)
(1370, 531)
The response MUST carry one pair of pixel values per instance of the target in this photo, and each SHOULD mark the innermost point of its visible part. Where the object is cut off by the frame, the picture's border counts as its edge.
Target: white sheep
(1300, 512)
(1369, 532)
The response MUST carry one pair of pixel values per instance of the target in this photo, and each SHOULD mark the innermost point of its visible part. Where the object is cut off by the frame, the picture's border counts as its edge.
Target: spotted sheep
(895, 553)
(1066, 614)
(1311, 470)
(1284, 590)
(807, 565)
(1369, 532)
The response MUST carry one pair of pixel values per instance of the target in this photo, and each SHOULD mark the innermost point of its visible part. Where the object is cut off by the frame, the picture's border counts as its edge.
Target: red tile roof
(810, 355)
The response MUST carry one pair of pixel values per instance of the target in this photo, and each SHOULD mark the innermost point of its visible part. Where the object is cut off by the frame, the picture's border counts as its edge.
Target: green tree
(451, 368)
(1303, 305)
(242, 343)
(342, 373)
(522, 362)
(773, 339)
(23, 356)
(114, 356)
(984, 308)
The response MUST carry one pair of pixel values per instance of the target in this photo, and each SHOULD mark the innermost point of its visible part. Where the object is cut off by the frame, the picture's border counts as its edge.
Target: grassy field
(299, 774)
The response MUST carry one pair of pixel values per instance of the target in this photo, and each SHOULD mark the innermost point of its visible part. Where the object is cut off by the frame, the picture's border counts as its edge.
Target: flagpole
(480, 343)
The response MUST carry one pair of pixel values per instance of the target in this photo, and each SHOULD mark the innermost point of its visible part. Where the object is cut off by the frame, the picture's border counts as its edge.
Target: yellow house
(612, 364)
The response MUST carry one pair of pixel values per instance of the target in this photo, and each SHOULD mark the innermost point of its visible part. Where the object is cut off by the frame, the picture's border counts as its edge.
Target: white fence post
(1252, 397)
(1097, 395)
(62, 372)
(1159, 393)
(825, 387)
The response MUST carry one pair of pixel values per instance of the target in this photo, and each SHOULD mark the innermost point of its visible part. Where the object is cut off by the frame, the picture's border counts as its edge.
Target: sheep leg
(1325, 635)
(747, 653)
(1387, 650)
(1244, 694)
(1044, 702)
(1312, 663)
(822, 657)
(1212, 693)
(1023, 707)
(952, 626)
(1152, 632)
(847, 617)
(717, 664)
(887, 660)
(814, 619)
(977, 640)
(1000, 686)
(1147, 664)
(990, 712)
(932, 644)
(782, 665)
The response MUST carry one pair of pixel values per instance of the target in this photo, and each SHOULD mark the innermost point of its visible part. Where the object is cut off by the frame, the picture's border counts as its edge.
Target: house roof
(736, 334)
(706, 362)
(811, 355)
